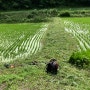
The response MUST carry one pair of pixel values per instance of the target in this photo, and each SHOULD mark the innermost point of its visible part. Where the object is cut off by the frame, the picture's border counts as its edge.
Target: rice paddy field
(80, 28)
(20, 40)
(29, 46)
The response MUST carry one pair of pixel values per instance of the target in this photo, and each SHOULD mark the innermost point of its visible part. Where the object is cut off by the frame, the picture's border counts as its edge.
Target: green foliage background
(28, 4)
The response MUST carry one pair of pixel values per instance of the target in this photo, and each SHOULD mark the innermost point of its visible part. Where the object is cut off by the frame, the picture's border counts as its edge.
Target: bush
(64, 14)
(53, 12)
(80, 59)
(24, 16)
(37, 16)
(37, 19)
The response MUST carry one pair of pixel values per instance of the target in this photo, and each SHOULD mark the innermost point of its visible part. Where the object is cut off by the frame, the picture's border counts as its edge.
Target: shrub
(53, 12)
(38, 19)
(37, 16)
(80, 59)
(30, 16)
(83, 12)
(64, 14)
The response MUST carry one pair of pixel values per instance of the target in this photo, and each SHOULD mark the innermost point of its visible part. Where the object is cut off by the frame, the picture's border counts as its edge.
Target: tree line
(29, 4)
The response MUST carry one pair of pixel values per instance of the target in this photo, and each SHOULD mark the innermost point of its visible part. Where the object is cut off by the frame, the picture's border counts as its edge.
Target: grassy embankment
(58, 44)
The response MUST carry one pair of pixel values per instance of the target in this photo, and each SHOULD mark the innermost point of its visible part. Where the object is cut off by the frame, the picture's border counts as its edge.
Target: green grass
(83, 20)
(59, 44)
(14, 31)
(10, 33)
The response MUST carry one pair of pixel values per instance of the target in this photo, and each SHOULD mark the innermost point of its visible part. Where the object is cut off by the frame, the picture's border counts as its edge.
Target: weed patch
(80, 59)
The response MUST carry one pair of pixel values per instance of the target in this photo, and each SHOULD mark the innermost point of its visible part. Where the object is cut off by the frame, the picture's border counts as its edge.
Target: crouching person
(52, 66)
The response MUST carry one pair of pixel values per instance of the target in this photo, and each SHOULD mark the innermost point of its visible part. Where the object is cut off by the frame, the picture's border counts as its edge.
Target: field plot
(20, 40)
(80, 28)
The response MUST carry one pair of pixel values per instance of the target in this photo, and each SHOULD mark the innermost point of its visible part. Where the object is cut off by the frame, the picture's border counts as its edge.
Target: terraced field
(20, 40)
(80, 30)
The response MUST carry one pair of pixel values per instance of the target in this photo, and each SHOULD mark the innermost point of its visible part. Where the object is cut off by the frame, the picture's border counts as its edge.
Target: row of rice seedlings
(36, 41)
(85, 42)
(34, 44)
(10, 51)
(80, 34)
(86, 38)
(11, 48)
(24, 46)
(14, 50)
(81, 43)
(42, 31)
(12, 32)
